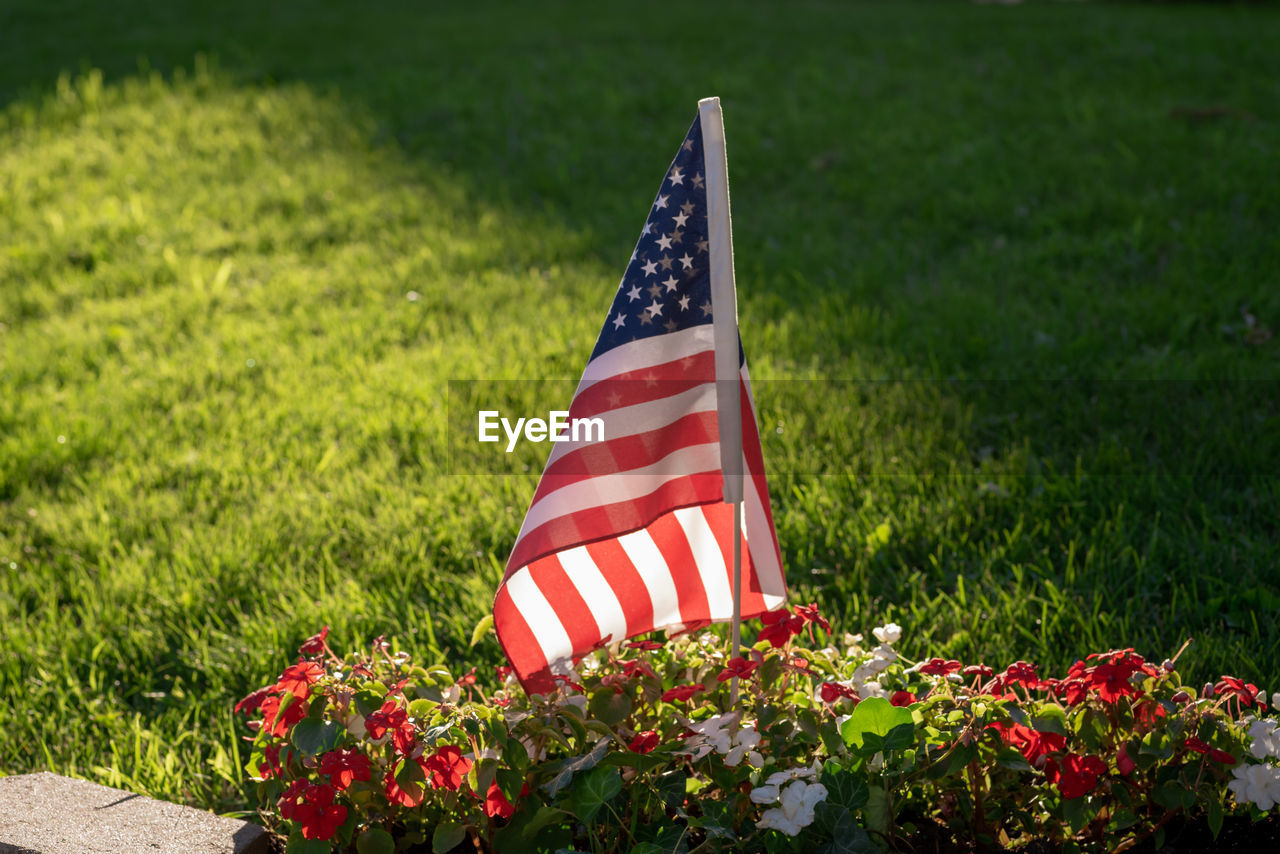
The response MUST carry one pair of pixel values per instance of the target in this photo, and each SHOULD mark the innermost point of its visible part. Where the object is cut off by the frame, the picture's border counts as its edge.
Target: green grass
(211, 218)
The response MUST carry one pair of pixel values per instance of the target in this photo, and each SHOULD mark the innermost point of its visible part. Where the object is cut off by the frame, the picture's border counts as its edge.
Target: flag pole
(724, 303)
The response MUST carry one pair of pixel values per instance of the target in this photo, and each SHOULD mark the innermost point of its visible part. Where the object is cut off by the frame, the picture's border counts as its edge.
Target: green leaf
(313, 737)
(482, 628)
(541, 819)
(715, 820)
(593, 790)
(847, 837)
(831, 740)
(571, 766)
(876, 812)
(368, 700)
(1215, 816)
(646, 848)
(447, 837)
(375, 840)
(900, 737)
(875, 716)
(845, 789)
(298, 844)
(1012, 759)
(671, 788)
(510, 783)
(609, 706)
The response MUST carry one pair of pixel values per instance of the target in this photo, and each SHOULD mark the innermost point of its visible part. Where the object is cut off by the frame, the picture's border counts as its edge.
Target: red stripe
(566, 601)
(627, 453)
(673, 542)
(628, 586)
(755, 466)
(520, 645)
(614, 520)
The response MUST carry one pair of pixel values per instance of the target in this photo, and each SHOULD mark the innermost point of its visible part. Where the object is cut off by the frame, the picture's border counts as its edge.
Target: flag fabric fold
(628, 531)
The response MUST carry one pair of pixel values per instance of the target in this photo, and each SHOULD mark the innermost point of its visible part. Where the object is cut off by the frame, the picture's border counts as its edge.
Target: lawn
(1007, 277)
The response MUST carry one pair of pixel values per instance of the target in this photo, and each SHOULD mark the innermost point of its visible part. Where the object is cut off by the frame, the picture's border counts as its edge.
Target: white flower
(884, 652)
(1256, 784)
(871, 689)
(355, 725)
(864, 673)
(888, 633)
(876, 763)
(1275, 701)
(795, 808)
(714, 734)
(578, 701)
(452, 694)
(1266, 739)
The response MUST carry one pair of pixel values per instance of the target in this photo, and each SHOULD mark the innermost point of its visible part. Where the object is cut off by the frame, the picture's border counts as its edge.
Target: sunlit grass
(231, 302)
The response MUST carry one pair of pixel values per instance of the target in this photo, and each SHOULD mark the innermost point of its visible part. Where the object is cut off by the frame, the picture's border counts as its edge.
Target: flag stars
(634, 293)
(676, 176)
(671, 282)
(619, 321)
(654, 291)
(614, 399)
(687, 145)
(684, 303)
(686, 261)
(697, 179)
(681, 219)
(671, 326)
(665, 263)
(651, 268)
(687, 208)
(677, 236)
(658, 205)
(664, 242)
(702, 245)
(655, 310)
(706, 308)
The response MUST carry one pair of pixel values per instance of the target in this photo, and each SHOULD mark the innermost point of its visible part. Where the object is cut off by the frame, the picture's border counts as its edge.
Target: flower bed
(838, 748)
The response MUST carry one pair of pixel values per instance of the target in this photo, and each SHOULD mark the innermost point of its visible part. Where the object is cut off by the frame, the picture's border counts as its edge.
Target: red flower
(1197, 745)
(1076, 776)
(643, 742)
(980, 671)
(292, 796)
(1021, 673)
(738, 666)
(832, 691)
(318, 815)
(902, 698)
(631, 668)
(276, 722)
(270, 765)
(413, 791)
(504, 671)
(298, 678)
(940, 667)
(344, 767)
(468, 680)
(646, 645)
(1247, 692)
(779, 627)
(314, 644)
(1031, 743)
(396, 720)
(496, 804)
(447, 768)
(809, 613)
(559, 677)
(681, 693)
(1124, 764)
(250, 704)
(1222, 756)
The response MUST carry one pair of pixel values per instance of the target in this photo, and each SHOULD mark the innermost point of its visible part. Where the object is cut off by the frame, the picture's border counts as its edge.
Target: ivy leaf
(313, 737)
(671, 788)
(368, 700)
(844, 788)
(593, 790)
(541, 819)
(847, 837)
(447, 837)
(1215, 816)
(574, 765)
(375, 840)
(715, 820)
(874, 716)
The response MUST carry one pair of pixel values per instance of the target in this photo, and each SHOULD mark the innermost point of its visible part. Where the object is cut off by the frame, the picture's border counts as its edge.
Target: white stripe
(643, 417)
(709, 560)
(647, 352)
(541, 618)
(595, 591)
(623, 486)
(656, 575)
(763, 558)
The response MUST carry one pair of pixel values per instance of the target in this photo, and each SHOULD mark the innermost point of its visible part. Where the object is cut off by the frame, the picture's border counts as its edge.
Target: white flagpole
(724, 302)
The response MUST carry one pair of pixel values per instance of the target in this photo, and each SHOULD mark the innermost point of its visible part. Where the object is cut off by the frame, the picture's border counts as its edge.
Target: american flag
(630, 534)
